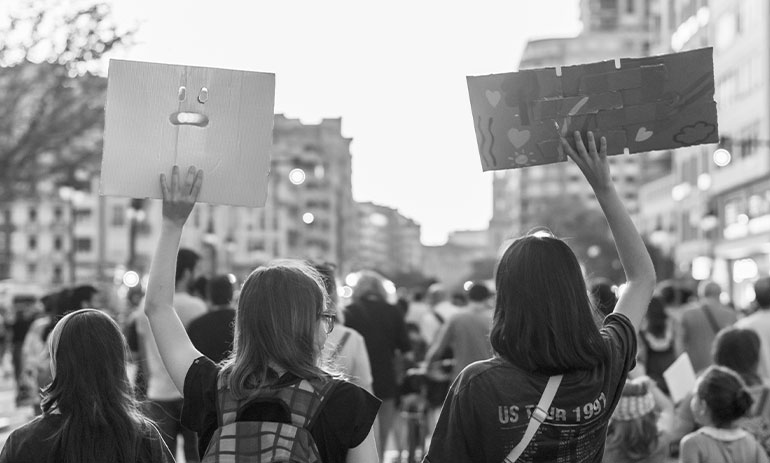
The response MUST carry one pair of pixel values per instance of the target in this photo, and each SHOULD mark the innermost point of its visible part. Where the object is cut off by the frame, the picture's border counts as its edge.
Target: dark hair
(657, 317)
(186, 259)
(459, 299)
(200, 288)
(81, 294)
(220, 290)
(738, 349)
(326, 271)
(725, 395)
(479, 292)
(603, 296)
(762, 292)
(543, 319)
(91, 390)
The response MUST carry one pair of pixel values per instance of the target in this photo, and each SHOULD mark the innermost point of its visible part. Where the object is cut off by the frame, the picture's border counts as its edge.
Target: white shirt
(759, 322)
(352, 358)
(159, 383)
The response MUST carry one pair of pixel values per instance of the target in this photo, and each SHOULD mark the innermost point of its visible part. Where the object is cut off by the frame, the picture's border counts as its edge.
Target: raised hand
(180, 197)
(591, 162)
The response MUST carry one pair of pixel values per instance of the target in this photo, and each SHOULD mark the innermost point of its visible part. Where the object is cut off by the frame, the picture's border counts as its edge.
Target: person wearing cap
(633, 434)
(467, 332)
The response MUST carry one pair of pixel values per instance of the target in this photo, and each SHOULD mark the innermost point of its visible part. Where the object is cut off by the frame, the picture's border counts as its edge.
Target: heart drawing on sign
(493, 97)
(643, 134)
(518, 137)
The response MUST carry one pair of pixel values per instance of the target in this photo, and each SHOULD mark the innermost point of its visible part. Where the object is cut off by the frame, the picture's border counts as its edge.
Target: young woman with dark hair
(281, 324)
(657, 346)
(544, 326)
(89, 411)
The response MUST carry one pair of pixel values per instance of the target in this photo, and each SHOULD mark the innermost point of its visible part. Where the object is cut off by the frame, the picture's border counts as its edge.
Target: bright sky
(394, 71)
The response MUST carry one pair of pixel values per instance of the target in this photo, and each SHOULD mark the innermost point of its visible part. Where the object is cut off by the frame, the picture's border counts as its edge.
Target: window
(32, 214)
(57, 274)
(82, 215)
(57, 214)
(32, 243)
(118, 216)
(57, 243)
(83, 244)
(31, 269)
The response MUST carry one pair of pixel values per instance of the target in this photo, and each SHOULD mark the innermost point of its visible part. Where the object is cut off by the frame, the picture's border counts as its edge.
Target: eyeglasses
(328, 321)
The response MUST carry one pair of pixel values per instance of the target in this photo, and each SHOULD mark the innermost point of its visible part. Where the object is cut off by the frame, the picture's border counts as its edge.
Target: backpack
(271, 425)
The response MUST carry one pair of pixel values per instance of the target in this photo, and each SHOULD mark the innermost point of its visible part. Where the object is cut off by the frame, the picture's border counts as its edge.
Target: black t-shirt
(343, 422)
(489, 405)
(32, 443)
(212, 333)
(383, 327)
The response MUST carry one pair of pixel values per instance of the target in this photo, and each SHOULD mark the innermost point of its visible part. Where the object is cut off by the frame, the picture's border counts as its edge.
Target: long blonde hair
(276, 322)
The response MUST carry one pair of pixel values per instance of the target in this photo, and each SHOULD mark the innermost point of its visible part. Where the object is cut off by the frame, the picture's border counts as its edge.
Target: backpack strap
(710, 316)
(340, 344)
(539, 415)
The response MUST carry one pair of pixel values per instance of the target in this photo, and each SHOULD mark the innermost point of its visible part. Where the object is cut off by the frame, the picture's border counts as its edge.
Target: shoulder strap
(539, 415)
(341, 344)
(710, 317)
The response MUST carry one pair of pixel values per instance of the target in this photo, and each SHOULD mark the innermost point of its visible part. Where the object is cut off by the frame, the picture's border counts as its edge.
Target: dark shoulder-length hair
(543, 318)
(90, 389)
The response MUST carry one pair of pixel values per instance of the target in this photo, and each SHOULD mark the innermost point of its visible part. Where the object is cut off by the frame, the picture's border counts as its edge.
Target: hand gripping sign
(159, 115)
(647, 104)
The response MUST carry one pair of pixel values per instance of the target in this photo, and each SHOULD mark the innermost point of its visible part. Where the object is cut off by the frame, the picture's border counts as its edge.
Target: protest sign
(159, 115)
(647, 104)
(680, 378)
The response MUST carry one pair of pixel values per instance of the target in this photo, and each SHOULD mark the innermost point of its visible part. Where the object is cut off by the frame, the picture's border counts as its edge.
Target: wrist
(171, 225)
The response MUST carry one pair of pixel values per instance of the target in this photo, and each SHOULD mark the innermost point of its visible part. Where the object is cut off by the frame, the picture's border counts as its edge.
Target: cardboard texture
(680, 378)
(158, 115)
(654, 103)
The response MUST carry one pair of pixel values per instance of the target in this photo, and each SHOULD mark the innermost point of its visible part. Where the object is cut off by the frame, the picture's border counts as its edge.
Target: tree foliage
(51, 101)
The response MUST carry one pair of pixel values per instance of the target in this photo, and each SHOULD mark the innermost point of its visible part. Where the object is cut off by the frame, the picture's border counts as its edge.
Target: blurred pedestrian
(441, 310)
(720, 400)
(657, 347)
(164, 400)
(212, 332)
(384, 330)
(551, 355)
(701, 322)
(89, 414)
(759, 321)
(25, 311)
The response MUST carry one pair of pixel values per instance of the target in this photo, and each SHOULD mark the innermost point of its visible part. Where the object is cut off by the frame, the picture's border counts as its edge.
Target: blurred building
(721, 198)
(71, 234)
(611, 29)
(386, 241)
(454, 262)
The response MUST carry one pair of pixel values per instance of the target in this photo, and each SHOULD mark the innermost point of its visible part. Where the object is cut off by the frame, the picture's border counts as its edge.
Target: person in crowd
(739, 350)
(441, 309)
(138, 374)
(759, 321)
(720, 400)
(467, 333)
(164, 400)
(603, 296)
(701, 322)
(634, 434)
(199, 288)
(417, 308)
(384, 331)
(24, 311)
(212, 332)
(657, 347)
(89, 413)
(544, 331)
(281, 325)
(345, 347)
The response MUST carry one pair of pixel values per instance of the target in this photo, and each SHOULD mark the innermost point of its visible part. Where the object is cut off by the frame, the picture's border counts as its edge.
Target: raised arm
(640, 273)
(175, 348)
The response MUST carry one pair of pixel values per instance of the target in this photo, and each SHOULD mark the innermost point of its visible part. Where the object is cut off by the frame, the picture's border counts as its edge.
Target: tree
(586, 231)
(51, 102)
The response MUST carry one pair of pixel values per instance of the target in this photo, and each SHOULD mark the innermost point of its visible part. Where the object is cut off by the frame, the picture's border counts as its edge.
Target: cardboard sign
(159, 115)
(680, 378)
(659, 102)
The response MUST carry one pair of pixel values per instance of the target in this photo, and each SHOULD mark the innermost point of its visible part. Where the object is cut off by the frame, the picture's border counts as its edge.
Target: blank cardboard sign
(219, 120)
(659, 102)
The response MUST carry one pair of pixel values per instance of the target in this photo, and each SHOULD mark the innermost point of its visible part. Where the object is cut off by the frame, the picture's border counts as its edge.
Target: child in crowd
(544, 333)
(634, 434)
(281, 325)
(89, 413)
(721, 399)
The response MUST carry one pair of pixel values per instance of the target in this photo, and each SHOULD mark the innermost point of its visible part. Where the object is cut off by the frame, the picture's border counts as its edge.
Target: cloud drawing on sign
(694, 134)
